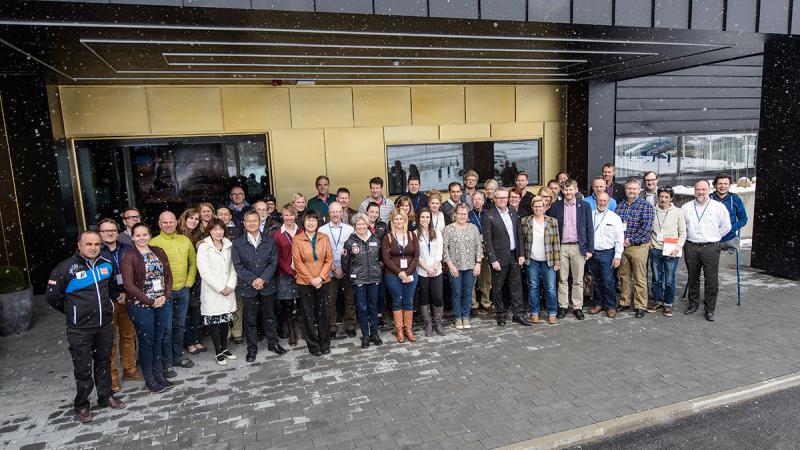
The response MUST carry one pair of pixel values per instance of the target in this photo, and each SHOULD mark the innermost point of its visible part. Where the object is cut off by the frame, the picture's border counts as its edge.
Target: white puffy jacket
(216, 272)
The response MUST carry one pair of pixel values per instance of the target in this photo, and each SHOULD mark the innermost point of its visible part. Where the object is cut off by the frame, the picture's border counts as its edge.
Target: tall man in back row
(707, 222)
(82, 287)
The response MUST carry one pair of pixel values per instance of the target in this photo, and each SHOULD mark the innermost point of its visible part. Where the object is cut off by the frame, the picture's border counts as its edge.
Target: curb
(657, 416)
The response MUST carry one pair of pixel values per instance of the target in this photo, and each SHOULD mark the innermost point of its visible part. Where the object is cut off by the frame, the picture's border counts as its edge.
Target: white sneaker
(465, 324)
(227, 354)
(221, 360)
(459, 324)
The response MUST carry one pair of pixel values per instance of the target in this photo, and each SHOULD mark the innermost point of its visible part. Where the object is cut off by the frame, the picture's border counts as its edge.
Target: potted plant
(16, 301)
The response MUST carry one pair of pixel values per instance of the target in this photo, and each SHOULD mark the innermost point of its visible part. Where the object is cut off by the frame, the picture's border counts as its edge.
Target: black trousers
(703, 258)
(314, 316)
(508, 275)
(219, 336)
(90, 349)
(431, 290)
(259, 308)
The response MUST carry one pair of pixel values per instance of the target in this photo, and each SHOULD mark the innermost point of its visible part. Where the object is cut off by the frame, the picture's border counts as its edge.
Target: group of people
(242, 272)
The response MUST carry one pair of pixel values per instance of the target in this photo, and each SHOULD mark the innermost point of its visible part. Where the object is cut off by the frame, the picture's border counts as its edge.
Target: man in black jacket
(82, 287)
(255, 259)
(576, 231)
(502, 238)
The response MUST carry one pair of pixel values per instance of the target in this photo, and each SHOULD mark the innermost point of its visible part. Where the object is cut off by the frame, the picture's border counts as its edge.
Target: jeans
(402, 293)
(539, 272)
(605, 292)
(366, 297)
(461, 293)
(663, 268)
(152, 330)
(180, 306)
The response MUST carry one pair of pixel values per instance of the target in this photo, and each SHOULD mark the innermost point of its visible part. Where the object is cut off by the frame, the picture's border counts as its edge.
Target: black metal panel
(685, 104)
(707, 14)
(671, 14)
(681, 127)
(590, 129)
(558, 11)
(240, 4)
(776, 227)
(741, 15)
(503, 9)
(345, 6)
(796, 17)
(774, 17)
(694, 81)
(684, 92)
(682, 115)
(594, 12)
(454, 9)
(720, 70)
(285, 5)
(417, 8)
(148, 2)
(633, 13)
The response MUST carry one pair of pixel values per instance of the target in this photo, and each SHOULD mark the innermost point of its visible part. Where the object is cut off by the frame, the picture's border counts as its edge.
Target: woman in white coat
(217, 298)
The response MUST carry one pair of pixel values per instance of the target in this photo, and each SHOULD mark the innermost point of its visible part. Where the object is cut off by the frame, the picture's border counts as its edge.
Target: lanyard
(115, 255)
(314, 246)
(401, 247)
(660, 222)
(288, 237)
(477, 220)
(427, 241)
(416, 201)
(337, 240)
(601, 220)
(700, 216)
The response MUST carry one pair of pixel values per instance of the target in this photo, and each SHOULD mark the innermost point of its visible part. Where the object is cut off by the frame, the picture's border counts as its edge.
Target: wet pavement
(481, 388)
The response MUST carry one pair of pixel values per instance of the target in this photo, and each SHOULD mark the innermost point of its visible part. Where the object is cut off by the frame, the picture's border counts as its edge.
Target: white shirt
(537, 244)
(438, 223)
(254, 241)
(609, 232)
(338, 234)
(432, 257)
(706, 223)
(506, 216)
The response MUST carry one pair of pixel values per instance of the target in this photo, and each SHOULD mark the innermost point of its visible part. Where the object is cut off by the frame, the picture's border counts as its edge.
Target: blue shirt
(735, 206)
(592, 200)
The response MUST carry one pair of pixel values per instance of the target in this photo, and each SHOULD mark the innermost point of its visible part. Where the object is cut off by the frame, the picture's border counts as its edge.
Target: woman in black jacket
(361, 258)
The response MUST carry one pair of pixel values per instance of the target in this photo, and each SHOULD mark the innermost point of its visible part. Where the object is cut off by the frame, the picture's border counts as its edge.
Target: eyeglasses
(132, 217)
(107, 231)
(497, 197)
(650, 179)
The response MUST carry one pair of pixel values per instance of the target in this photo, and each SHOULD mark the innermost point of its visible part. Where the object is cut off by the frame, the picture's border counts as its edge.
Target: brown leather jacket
(132, 268)
(305, 266)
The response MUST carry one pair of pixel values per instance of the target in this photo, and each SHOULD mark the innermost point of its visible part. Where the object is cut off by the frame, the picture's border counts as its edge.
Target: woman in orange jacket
(313, 258)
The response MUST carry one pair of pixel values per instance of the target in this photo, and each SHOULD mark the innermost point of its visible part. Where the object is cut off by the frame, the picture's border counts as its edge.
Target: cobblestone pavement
(483, 388)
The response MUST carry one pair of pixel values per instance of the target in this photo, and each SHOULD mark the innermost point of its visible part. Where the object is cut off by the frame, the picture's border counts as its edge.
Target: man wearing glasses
(113, 250)
(650, 191)
(130, 217)
(238, 205)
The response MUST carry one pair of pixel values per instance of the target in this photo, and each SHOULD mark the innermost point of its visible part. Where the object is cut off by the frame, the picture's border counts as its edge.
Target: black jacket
(361, 260)
(380, 230)
(251, 263)
(83, 291)
(585, 226)
(496, 241)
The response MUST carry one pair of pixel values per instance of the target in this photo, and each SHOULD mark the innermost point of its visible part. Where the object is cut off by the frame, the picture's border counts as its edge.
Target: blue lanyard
(601, 220)
(416, 203)
(700, 216)
(339, 239)
(427, 241)
(478, 220)
(115, 255)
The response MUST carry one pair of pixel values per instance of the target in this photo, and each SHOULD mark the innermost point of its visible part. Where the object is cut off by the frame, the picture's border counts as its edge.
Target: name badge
(373, 244)
(403, 263)
(157, 285)
(352, 275)
(80, 275)
(119, 279)
(660, 237)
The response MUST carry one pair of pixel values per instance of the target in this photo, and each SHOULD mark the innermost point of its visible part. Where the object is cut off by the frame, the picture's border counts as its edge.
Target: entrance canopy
(118, 44)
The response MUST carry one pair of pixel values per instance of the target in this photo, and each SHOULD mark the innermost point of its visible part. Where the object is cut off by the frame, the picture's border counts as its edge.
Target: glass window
(437, 165)
(169, 174)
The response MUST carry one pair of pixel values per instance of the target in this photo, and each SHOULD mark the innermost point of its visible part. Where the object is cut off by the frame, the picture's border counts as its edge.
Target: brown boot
(397, 316)
(408, 320)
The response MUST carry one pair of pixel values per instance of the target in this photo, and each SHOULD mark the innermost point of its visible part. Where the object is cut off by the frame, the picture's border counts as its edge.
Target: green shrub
(12, 280)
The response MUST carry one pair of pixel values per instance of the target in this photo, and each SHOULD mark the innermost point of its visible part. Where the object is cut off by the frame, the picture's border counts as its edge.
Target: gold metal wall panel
(353, 156)
(518, 130)
(465, 131)
(431, 105)
(255, 108)
(381, 106)
(298, 157)
(314, 107)
(540, 103)
(419, 133)
(184, 110)
(104, 111)
(490, 104)
(553, 160)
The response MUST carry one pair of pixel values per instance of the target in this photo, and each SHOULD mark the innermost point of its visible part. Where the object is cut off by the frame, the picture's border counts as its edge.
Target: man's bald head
(167, 222)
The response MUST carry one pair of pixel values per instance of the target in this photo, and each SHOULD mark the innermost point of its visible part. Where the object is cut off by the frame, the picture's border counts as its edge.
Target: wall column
(776, 226)
(590, 129)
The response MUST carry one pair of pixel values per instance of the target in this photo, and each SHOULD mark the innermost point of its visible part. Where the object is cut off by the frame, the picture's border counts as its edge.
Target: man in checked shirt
(637, 216)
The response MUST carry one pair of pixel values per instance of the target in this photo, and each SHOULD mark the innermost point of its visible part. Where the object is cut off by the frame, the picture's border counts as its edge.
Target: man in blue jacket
(575, 227)
(82, 287)
(735, 206)
(255, 259)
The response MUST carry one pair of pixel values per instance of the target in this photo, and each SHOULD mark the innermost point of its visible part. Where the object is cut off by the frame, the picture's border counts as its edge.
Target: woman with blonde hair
(189, 226)
(404, 203)
(547, 197)
(299, 204)
(542, 245)
(400, 253)
(207, 214)
(437, 216)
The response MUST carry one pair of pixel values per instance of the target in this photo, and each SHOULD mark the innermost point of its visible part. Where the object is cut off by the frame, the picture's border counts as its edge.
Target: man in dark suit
(576, 230)
(502, 238)
(255, 259)
(613, 189)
